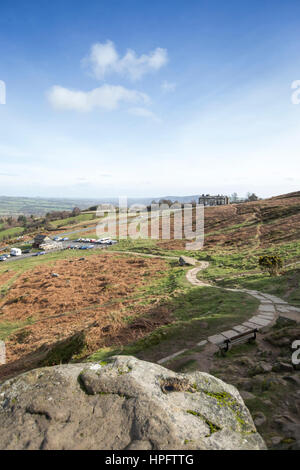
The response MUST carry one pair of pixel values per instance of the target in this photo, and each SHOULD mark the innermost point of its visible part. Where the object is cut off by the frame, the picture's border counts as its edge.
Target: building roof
(40, 237)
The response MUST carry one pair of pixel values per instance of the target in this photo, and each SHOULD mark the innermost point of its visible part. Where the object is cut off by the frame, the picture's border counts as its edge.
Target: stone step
(260, 321)
(229, 333)
(216, 339)
(241, 329)
(267, 308)
(252, 325)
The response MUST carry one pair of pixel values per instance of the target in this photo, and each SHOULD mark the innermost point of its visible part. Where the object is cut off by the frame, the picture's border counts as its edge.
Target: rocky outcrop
(123, 404)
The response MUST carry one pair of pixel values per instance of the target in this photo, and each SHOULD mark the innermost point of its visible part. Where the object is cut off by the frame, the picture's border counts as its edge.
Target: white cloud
(143, 112)
(104, 60)
(106, 97)
(168, 86)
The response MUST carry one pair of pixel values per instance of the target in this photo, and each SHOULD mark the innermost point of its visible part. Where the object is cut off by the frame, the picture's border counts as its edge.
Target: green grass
(189, 306)
(217, 308)
(77, 219)
(224, 263)
(11, 232)
(285, 286)
(8, 328)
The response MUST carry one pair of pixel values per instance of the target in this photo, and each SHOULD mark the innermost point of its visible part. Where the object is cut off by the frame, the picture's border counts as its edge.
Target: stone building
(208, 200)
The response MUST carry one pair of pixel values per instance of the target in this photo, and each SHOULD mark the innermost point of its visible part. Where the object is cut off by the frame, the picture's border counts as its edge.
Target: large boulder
(122, 404)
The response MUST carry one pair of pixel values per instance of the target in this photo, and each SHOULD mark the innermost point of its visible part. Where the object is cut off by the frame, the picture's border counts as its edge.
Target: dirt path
(269, 309)
(148, 255)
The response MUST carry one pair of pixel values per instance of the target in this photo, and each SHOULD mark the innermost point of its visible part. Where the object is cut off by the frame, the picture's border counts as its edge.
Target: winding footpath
(269, 309)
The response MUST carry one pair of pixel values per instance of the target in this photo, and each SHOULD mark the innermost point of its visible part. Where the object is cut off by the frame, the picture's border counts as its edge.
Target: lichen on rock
(124, 403)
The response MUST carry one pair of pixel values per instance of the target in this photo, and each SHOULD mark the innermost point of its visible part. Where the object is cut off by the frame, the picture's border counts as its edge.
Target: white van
(15, 252)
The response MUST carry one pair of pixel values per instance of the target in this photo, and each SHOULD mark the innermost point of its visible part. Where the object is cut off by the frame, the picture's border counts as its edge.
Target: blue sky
(109, 98)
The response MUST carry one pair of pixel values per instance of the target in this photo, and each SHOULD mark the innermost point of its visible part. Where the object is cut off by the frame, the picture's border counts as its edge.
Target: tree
(75, 211)
(167, 202)
(272, 264)
(22, 219)
(251, 197)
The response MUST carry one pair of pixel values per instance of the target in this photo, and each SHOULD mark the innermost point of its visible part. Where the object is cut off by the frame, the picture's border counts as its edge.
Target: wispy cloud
(106, 97)
(146, 113)
(168, 87)
(104, 60)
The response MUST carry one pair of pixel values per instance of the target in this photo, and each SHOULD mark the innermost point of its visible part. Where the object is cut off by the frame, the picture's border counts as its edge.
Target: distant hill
(40, 206)
(183, 199)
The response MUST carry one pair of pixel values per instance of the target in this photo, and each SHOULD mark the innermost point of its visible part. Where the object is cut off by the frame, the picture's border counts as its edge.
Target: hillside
(135, 298)
(257, 224)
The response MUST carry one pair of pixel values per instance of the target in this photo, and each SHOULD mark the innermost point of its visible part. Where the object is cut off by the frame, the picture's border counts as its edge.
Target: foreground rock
(123, 404)
(187, 261)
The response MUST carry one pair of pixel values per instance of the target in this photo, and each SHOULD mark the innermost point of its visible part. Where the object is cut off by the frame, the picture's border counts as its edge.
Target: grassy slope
(197, 313)
(11, 232)
(256, 224)
(189, 306)
(73, 220)
(234, 265)
(18, 267)
(231, 265)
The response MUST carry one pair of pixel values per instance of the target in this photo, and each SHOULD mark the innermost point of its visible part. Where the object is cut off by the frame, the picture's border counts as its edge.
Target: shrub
(272, 264)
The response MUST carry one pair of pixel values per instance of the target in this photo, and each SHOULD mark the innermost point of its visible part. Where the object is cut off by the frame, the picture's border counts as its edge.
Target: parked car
(108, 242)
(3, 258)
(26, 251)
(39, 253)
